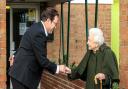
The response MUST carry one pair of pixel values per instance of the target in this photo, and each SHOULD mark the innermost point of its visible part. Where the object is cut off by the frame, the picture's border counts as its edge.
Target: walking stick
(95, 79)
(100, 84)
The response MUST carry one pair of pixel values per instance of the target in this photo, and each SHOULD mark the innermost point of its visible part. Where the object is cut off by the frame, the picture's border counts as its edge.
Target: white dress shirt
(46, 33)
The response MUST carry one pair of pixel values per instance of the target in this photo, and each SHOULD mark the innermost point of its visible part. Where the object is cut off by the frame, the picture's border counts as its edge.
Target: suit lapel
(41, 27)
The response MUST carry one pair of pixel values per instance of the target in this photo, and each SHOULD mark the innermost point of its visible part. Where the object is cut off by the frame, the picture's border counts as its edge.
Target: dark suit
(30, 60)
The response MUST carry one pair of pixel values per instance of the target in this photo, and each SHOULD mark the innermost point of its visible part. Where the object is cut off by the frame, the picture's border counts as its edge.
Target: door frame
(20, 6)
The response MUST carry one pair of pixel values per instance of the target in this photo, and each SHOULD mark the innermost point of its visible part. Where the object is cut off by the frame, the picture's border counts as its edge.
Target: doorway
(19, 18)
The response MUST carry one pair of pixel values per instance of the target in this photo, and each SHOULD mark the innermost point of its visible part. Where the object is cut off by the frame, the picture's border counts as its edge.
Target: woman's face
(91, 43)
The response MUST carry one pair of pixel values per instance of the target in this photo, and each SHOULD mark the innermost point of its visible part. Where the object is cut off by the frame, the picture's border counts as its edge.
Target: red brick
(2, 85)
(2, 44)
(2, 11)
(123, 44)
(2, 25)
(2, 17)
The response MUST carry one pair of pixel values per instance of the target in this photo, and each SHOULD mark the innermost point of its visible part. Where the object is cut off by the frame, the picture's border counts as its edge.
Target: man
(31, 58)
(99, 66)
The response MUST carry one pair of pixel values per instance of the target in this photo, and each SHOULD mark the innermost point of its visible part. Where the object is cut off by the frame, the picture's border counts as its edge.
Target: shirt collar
(46, 33)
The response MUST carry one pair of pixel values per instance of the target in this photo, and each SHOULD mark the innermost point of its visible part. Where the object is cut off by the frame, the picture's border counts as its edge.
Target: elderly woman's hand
(100, 76)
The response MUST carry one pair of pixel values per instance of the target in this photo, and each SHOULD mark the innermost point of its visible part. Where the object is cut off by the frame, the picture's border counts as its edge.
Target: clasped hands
(99, 76)
(64, 69)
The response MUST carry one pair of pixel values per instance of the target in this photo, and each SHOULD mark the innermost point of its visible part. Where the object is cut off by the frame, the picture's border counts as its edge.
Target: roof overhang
(37, 1)
(54, 1)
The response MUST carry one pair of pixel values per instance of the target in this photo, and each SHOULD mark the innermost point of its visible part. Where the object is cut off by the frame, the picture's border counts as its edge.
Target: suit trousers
(17, 85)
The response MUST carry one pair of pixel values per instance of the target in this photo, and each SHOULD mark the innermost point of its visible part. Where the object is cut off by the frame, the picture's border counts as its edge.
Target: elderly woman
(99, 63)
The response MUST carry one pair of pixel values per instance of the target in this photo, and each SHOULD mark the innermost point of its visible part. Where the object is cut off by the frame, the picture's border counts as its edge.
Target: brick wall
(77, 47)
(2, 44)
(123, 44)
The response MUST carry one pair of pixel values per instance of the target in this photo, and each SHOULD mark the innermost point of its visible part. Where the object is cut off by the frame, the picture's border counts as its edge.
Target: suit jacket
(31, 57)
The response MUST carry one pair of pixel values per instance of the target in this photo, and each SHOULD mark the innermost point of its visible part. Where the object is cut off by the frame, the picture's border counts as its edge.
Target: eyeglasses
(55, 23)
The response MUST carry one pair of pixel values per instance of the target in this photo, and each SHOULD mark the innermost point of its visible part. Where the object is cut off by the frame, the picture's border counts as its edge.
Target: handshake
(60, 68)
(64, 69)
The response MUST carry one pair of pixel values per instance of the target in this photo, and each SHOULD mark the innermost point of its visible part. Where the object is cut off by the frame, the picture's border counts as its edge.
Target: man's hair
(98, 35)
(49, 13)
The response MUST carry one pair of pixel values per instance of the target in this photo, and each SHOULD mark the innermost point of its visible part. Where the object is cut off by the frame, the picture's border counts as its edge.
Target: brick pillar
(2, 44)
(123, 44)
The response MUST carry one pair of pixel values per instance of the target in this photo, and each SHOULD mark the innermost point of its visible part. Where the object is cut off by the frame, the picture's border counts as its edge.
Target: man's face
(52, 24)
(91, 43)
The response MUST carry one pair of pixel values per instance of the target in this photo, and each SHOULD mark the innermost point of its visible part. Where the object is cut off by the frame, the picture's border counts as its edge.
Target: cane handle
(95, 79)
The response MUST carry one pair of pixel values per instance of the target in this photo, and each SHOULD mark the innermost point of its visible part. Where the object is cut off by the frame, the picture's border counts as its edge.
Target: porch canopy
(57, 1)
(37, 1)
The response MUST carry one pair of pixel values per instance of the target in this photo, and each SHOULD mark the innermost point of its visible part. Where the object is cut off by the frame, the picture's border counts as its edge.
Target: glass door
(22, 17)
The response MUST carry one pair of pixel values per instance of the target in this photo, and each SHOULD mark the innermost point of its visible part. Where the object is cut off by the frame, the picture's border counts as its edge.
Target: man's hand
(11, 60)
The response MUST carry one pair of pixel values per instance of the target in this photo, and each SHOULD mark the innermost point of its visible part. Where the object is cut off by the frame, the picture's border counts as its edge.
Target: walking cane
(95, 79)
(100, 84)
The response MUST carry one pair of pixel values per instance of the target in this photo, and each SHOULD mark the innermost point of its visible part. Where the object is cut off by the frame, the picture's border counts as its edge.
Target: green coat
(103, 61)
